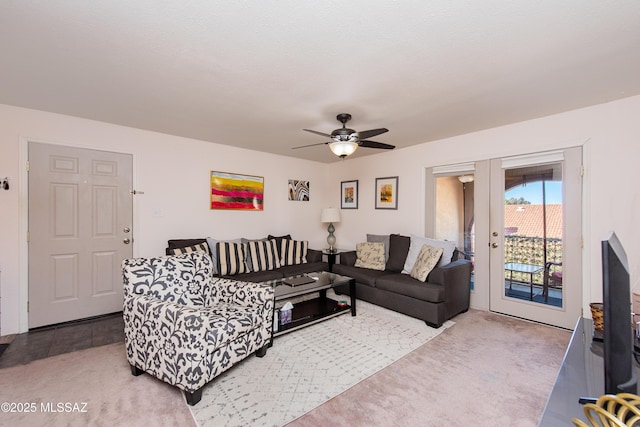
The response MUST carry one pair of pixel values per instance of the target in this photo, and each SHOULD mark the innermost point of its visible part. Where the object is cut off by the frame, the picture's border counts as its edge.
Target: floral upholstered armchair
(184, 326)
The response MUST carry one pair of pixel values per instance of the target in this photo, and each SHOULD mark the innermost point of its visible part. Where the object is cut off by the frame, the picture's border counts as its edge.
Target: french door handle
(126, 241)
(494, 245)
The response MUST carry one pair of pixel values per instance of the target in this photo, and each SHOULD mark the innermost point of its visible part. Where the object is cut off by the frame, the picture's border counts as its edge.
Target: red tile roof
(527, 220)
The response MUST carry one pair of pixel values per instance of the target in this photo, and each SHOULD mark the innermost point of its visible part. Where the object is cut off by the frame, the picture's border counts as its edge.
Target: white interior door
(525, 235)
(80, 220)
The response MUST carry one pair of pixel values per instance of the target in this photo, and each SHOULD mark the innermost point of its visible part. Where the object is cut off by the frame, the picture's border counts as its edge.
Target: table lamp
(330, 215)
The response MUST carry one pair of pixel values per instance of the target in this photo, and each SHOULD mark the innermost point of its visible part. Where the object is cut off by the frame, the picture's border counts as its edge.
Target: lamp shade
(330, 215)
(465, 178)
(343, 148)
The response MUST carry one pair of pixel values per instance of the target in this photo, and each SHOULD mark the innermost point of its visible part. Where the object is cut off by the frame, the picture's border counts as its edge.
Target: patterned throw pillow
(263, 255)
(370, 255)
(201, 247)
(385, 239)
(293, 252)
(427, 259)
(448, 248)
(232, 258)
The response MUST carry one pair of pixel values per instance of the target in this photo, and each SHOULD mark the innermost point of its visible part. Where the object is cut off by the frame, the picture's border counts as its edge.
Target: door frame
(23, 225)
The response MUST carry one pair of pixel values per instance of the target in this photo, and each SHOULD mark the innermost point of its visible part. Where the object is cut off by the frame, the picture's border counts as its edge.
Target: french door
(535, 242)
(518, 219)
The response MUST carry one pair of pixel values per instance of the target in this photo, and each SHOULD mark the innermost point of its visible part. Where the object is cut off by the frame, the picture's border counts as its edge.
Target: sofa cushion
(362, 275)
(262, 255)
(416, 244)
(293, 252)
(200, 247)
(427, 259)
(231, 258)
(370, 255)
(398, 250)
(384, 239)
(404, 284)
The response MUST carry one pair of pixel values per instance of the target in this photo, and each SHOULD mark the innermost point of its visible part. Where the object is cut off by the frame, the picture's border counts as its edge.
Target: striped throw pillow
(232, 258)
(293, 252)
(263, 255)
(201, 247)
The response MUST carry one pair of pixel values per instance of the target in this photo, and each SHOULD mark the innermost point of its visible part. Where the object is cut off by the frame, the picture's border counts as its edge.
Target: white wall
(172, 172)
(610, 134)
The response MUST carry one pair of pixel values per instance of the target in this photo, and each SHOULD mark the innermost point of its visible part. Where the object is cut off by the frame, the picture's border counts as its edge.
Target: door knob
(495, 234)
(494, 245)
(126, 241)
(126, 229)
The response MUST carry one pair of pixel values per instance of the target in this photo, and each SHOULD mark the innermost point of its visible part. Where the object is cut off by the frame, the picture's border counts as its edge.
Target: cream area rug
(307, 367)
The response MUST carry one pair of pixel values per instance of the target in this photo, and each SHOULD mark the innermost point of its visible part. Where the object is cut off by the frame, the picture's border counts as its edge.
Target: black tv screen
(619, 371)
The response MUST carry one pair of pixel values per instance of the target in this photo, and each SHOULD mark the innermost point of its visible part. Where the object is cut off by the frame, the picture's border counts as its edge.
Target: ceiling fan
(345, 141)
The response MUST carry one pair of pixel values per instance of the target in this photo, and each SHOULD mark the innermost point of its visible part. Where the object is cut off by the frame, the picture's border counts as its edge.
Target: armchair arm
(248, 294)
(169, 340)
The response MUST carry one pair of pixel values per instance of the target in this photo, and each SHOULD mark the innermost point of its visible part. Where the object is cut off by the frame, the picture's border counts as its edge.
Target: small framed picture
(349, 194)
(387, 192)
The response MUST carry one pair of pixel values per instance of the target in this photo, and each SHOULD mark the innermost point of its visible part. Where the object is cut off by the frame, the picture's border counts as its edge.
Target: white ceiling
(254, 73)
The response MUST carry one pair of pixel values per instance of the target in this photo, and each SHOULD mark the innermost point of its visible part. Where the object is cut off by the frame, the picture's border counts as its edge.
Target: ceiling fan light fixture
(343, 149)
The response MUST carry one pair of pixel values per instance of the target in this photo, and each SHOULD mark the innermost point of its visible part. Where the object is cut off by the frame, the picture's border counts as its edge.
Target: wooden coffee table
(311, 311)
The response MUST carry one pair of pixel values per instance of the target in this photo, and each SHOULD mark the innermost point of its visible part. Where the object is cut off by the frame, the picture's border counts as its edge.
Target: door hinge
(27, 166)
(27, 306)
(581, 170)
(28, 236)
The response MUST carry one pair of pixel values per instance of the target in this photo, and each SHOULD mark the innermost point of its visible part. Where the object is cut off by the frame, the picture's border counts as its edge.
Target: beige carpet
(98, 377)
(486, 370)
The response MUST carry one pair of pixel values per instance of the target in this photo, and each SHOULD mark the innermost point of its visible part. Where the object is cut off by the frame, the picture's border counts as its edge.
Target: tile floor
(63, 338)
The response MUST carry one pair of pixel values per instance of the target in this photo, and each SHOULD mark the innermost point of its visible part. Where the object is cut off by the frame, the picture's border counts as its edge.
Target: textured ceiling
(253, 74)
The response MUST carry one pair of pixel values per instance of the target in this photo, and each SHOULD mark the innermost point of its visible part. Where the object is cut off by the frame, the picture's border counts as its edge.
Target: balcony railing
(531, 250)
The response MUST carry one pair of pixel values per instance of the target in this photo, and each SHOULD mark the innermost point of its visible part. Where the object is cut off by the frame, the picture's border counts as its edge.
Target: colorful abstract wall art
(236, 191)
(299, 190)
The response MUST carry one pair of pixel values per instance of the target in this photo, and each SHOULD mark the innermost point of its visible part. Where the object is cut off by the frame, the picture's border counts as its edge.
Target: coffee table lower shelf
(306, 313)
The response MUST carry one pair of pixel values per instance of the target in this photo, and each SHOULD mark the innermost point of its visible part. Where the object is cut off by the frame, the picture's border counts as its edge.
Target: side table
(331, 257)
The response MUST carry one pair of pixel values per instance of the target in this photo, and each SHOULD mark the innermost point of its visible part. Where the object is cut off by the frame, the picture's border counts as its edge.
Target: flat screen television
(619, 370)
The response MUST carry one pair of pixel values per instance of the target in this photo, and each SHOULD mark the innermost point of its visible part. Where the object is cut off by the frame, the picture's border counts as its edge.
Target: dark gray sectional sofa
(314, 263)
(445, 293)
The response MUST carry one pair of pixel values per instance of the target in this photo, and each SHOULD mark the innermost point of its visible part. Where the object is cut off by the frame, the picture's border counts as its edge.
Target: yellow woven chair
(612, 411)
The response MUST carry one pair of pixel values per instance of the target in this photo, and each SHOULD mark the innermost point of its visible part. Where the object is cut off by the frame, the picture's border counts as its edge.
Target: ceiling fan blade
(310, 145)
(371, 133)
(374, 144)
(318, 133)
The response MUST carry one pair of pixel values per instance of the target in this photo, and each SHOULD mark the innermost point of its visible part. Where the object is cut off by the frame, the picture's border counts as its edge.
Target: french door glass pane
(455, 214)
(533, 232)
